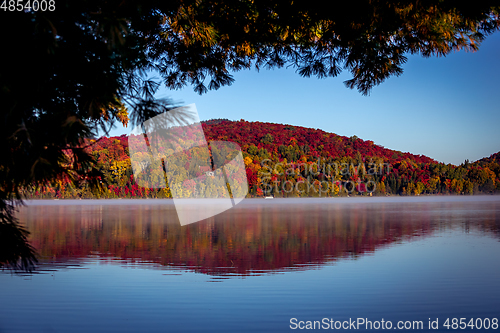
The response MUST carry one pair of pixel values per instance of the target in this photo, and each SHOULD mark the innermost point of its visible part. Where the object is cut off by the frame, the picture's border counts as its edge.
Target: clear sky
(446, 108)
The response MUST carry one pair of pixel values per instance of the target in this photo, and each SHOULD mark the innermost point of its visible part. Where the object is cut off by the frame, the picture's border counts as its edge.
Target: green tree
(268, 138)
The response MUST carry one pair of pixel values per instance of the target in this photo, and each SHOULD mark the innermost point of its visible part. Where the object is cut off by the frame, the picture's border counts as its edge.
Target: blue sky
(446, 108)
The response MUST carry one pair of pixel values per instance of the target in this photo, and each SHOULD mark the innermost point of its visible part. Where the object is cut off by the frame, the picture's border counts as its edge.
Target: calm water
(128, 266)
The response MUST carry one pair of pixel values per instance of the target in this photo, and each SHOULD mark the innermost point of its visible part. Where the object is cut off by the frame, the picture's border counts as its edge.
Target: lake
(266, 265)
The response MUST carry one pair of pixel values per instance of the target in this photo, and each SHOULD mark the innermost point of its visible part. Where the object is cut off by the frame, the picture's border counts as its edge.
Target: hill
(284, 160)
(311, 142)
(494, 158)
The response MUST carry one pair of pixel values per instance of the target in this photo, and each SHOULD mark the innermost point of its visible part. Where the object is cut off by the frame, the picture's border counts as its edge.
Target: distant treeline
(214, 121)
(291, 161)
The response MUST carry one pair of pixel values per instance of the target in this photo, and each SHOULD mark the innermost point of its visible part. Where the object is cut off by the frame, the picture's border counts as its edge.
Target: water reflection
(257, 237)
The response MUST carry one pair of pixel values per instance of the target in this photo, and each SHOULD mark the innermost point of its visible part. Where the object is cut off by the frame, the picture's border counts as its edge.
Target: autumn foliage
(291, 161)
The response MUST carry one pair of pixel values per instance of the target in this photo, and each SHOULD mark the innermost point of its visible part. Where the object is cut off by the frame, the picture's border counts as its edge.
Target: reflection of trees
(250, 239)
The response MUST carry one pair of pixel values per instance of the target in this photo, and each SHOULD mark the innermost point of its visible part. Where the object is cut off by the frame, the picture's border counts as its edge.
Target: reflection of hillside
(255, 237)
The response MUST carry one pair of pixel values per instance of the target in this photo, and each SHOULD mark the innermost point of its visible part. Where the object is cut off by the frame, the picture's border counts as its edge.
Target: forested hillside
(290, 161)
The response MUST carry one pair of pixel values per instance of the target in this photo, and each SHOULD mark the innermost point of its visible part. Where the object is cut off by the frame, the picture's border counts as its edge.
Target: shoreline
(333, 200)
